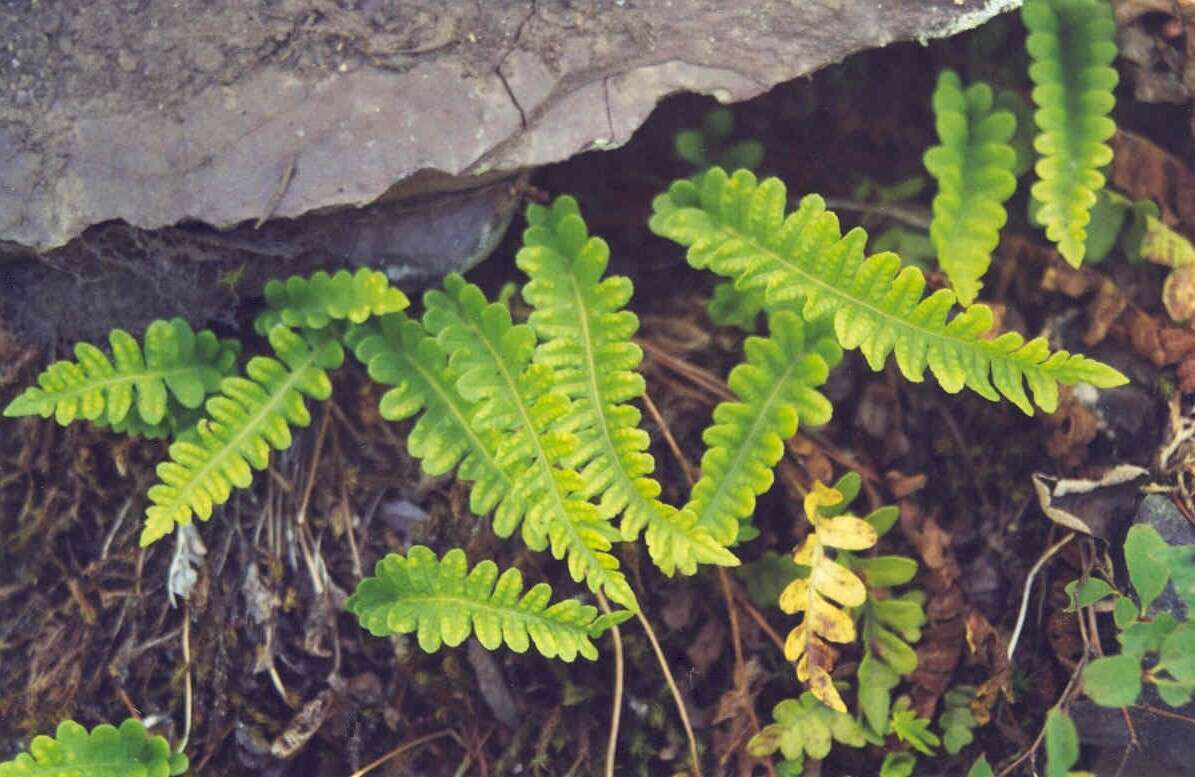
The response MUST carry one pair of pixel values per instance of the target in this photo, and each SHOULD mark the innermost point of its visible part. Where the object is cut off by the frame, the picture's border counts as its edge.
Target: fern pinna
(1071, 45)
(105, 751)
(973, 165)
(253, 414)
(738, 228)
(153, 391)
(443, 602)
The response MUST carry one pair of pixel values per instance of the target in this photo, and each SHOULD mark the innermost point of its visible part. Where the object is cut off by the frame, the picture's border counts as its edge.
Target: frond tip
(1071, 44)
(973, 165)
(738, 228)
(443, 602)
(315, 302)
(106, 751)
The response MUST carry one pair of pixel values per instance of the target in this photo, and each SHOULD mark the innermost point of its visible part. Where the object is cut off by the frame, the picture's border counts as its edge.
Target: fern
(1071, 44)
(399, 352)
(776, 389)
(738, 229)
(828, 582)
(586, 340)
(244, 421)
(803, 727)
(519, 400)
(315, 302)
(144, 391)
(106, 751)
(974, 169)
(443, 603)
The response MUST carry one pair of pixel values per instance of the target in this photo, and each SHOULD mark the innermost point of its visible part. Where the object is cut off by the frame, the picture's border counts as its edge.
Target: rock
(146, 119)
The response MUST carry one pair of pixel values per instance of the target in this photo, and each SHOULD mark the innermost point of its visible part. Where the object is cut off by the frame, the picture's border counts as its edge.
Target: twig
(762, 622)
(396, 752)
(906, 216)
(671, 682)
(1050, 551)
(616, 712)
(315, 457)
(187, 692)
(668, 438)
(740, 667)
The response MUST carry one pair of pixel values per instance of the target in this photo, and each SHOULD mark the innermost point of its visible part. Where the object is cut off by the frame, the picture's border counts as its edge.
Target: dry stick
(668, 438)
(671, 682)
(396, 752)
(740, 671)
(761, 621)
(1050, 551)
(315, 457)
(187, 693)
(616, 712)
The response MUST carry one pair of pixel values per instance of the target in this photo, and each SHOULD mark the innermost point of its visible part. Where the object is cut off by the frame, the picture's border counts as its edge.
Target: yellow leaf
(803, 667)
(829, 622)
(804, 554)
(835, 581)
(794, 644)
(846, 532)
(795, 596)
(820, 495)
(822, 686)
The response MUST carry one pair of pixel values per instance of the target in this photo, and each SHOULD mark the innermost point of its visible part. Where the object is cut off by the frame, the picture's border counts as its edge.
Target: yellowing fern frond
(443, 602)
(520, 401)
(776, 388)
(1072, 45)
(585, 337)
(815, 596)
(141, 391)
(973, 165)
(738, 228)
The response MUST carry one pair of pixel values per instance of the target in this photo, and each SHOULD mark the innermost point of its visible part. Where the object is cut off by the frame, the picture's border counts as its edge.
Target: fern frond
(142, 389)
(443, 602)
(586, 339)
(776, 390)
(399, 352)
(1071, 44)
(739, 229)
(519, 400)
(828, 582)
(244, 421)
(313, 303)
(106, 751)
(974, 168)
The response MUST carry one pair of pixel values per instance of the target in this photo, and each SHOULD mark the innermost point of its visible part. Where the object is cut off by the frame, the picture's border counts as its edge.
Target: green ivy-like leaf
(981, 768)
(1147, 556)
(1062, 743)
(315, 302)
(973, 165)
(105, 751)
(738, 228)
(776, 389)
(443, 602)
(1071, 44)
(956, 720)
(805, 726)
(142, 392)
(1113, 681)
(249, 417)
(585, 335)
(520, 401)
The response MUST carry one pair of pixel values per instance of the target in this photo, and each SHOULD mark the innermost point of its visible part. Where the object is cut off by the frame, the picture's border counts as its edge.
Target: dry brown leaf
(1145, 171)
(1178, 293)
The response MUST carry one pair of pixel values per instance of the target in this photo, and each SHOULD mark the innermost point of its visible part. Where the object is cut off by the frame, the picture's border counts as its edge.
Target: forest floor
(277, 679)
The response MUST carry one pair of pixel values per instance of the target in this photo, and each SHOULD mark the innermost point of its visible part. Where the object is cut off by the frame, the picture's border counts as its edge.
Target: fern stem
(619, 670)
(672, 687)
(396, 752)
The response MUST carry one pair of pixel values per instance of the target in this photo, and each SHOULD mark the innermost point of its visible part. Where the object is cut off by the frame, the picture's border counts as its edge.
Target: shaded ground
(284, 683)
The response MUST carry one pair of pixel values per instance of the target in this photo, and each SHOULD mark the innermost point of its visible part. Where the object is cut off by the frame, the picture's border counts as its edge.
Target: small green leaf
(876, 681)
(1141, 637)
(912, 729)
(1177, 655)
(898, 765)
(1124, 612)
(1086, 591)
(1062, 744)
(981, 768)
(1146, 554)
(1174, 693)
(886, 571)
(1114, 681)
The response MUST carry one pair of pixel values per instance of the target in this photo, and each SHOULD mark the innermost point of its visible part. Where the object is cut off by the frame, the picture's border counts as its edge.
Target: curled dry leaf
(1145, 171)
(1178, 293)
(1090, 507)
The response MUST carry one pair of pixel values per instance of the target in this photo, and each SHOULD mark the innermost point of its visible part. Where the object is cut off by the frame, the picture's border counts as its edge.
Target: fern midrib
(541, 456)
(489, 607)
(116, 379)
(462, 421)
(265, 411)
(973, 193)
(990, 352)
(596, 400)
(744, 449)
(58, 768)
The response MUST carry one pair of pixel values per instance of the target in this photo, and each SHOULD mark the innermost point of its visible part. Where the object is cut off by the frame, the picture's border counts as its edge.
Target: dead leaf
(902, 485)
(1144, 170)
(1089, 506)
(1103, 311)
(1178, 293)
(1071, 429)
(303, 725)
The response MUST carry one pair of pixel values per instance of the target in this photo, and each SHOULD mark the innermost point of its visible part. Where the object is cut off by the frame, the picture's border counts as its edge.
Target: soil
(276, 679)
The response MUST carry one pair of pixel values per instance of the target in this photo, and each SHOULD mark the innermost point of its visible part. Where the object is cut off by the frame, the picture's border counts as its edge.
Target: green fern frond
(739, 229)
(443, 602)
(520, 401)
(244, 421)
(974, 168)
(585, 335)
(399, 352)
(313, 303)
(142, 390)
(106, 751)
(1071, 44)
(776, 389)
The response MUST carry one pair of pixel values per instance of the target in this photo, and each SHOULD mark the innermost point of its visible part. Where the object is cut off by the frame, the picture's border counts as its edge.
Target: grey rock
(226, 96)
